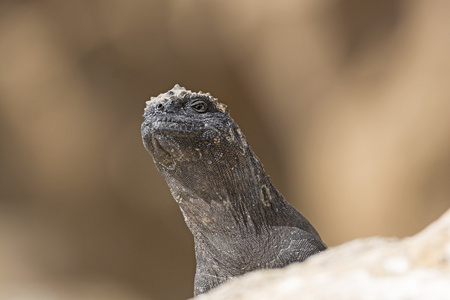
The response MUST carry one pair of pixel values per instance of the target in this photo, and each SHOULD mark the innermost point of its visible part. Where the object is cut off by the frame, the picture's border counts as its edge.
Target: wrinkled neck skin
(219, 184)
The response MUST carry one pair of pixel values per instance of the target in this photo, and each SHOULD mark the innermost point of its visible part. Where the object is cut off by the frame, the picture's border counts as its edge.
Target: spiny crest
(179, 92)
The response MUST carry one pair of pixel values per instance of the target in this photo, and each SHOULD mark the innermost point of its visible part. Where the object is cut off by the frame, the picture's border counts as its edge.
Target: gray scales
(239, 220)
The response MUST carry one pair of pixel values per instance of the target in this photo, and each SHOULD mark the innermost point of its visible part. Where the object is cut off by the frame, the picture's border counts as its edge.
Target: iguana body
(240, 222)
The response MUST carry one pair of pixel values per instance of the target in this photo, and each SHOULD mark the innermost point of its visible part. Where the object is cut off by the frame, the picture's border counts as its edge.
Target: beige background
(346, 102)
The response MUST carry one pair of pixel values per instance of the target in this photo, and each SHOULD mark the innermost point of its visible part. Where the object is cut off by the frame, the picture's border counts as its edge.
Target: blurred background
(346, 102)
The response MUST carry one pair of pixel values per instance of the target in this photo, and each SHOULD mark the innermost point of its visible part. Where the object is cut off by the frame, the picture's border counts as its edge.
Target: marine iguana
(240, 222)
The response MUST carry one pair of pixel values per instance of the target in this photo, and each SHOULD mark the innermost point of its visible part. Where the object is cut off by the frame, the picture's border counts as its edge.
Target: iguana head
(180, 126)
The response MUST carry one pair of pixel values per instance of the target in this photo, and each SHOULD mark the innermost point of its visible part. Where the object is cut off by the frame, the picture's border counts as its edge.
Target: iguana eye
(199, 106)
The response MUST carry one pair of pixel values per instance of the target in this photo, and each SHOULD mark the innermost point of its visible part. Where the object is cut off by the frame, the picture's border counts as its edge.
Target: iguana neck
(225, 194)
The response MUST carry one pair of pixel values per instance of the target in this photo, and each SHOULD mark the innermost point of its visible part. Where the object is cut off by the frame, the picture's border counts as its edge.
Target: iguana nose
(159, 106)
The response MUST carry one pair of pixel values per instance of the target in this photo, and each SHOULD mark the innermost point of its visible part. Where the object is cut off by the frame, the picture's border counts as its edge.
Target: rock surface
(417, 267)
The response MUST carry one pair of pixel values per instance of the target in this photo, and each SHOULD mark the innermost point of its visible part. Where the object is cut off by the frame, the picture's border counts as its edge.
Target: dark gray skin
(240, 222)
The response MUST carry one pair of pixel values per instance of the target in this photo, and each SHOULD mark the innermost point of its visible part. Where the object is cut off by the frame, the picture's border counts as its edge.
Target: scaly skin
(240, 222)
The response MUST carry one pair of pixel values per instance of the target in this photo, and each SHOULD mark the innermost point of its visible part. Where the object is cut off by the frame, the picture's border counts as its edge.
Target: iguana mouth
(175, 127)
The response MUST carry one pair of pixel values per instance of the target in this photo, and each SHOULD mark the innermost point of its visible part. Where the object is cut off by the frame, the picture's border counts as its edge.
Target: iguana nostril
(159, 106)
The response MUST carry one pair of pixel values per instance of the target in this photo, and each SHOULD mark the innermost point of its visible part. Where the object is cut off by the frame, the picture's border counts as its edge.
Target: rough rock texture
(417, 267)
